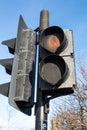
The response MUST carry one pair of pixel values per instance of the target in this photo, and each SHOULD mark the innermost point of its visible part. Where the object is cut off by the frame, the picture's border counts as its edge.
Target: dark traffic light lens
(51, 73)
(53, 70)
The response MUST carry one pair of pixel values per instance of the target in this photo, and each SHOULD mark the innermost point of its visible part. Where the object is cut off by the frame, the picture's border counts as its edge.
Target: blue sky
(68, 14)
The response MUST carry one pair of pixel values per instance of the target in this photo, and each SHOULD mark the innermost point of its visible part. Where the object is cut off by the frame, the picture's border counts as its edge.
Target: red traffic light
(53, 39)
(52, 43)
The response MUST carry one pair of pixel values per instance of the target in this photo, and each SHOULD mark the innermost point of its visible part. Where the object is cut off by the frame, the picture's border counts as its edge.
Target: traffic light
(56, 62)
(21, 68)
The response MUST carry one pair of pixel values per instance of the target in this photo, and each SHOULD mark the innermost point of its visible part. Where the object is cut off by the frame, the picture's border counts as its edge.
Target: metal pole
(41, 115)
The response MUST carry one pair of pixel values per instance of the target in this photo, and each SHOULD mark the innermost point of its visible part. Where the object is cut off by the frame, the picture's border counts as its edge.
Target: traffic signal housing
(56, 61)
(21, 68)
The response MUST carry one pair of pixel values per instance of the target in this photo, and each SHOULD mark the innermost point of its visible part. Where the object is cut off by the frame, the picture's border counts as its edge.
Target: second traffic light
(21, 68)
(56, 61)
(21, 93)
